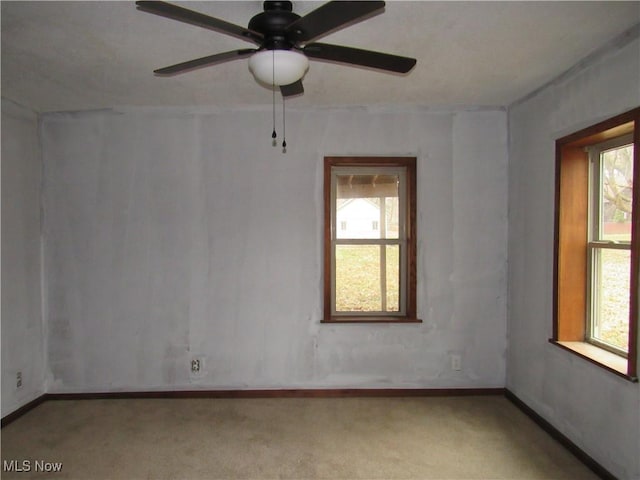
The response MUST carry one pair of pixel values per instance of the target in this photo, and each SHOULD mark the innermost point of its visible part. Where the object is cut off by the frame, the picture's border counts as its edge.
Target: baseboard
(285, 393)
(7, 419)
(580, 454)
(258, 393)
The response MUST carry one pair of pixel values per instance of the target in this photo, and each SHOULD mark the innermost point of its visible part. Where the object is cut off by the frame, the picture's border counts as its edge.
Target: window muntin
(370, 239)
(609, 247)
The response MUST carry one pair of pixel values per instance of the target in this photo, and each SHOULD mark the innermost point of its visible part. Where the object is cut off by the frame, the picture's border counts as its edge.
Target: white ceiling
(87, 55)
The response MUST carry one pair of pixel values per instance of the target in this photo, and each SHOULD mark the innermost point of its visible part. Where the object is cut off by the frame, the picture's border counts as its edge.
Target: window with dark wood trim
(370, 239)
(578, 243)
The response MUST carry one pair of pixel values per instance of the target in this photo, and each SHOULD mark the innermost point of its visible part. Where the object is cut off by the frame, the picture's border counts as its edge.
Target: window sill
(364, 319)
(598, 356)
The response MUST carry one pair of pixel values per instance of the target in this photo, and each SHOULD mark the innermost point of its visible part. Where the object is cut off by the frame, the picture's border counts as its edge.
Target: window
(609, 247)
(596, 256)
(370, 261)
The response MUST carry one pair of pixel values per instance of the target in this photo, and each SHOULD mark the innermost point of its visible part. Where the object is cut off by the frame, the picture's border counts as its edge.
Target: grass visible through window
(613, 311)
(358, 278)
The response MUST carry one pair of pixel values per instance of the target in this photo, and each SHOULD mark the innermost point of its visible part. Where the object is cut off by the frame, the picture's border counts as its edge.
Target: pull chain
(273, 89)
(284, 129)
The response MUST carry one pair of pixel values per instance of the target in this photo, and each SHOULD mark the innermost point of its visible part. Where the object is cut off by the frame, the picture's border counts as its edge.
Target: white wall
(23, 340)
(172, 234)
(597, 410)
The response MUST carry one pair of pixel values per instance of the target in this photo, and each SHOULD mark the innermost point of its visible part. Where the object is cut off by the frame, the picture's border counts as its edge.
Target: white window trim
(401, 241)
(595, 244)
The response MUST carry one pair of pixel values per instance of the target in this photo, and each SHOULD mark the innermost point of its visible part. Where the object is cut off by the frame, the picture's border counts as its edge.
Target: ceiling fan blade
(204, 62)
(199, 19)
(356, 56)
(330, 16)
(295, 88)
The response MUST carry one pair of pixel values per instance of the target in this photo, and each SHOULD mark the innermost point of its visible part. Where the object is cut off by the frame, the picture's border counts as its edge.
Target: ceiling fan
(283, 40)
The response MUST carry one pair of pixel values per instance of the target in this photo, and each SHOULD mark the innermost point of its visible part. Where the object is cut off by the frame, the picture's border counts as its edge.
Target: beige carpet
(330, 438)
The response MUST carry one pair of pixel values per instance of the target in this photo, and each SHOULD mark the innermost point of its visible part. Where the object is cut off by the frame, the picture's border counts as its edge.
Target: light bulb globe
(278, 67)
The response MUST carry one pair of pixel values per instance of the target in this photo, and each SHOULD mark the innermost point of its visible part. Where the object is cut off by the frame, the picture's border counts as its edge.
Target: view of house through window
(368, 240)
(610, 243)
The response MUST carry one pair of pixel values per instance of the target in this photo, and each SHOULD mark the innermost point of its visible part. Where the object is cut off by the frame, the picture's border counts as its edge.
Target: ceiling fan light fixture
(278, 67)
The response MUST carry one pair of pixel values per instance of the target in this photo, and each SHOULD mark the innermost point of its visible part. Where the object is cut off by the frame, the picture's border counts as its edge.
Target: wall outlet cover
(456, 362)
(197, 366)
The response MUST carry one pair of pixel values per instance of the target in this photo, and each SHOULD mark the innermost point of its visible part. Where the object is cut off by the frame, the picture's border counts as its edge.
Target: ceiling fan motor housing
(272, 23)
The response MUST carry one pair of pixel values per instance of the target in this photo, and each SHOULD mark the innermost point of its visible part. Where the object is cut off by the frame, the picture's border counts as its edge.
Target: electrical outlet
(195, 365)
(19, 380)
(198, 367)
(456, 362)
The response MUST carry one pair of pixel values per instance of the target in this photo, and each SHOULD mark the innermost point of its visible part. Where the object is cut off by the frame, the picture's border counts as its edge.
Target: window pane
(611, 309)
(367, 206)
(393, 278)
(392, 219)
(616, 192)
(358, 278)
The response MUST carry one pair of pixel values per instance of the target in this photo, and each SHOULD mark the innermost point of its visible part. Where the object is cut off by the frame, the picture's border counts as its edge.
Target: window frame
(407, 254)
(595, 243)
(571, 244)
